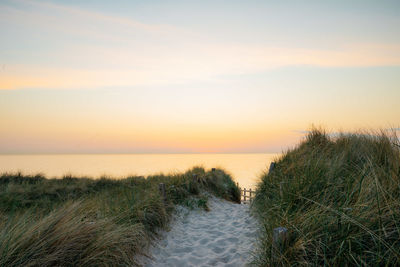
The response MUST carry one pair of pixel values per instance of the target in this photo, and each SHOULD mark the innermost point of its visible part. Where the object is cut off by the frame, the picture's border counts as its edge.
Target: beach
(224, 236)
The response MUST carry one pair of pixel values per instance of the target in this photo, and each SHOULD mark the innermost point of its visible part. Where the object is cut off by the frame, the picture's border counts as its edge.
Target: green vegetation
(340, 199)
(88, 222)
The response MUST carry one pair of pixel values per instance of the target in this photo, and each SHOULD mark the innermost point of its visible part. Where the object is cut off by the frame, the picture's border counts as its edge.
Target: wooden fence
(247, 195)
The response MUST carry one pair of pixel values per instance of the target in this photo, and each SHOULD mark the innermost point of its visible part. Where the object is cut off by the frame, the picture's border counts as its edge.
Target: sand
(223, 236)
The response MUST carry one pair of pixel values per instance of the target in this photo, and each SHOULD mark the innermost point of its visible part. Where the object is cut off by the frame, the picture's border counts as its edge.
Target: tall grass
(88, 222)
(340, 199)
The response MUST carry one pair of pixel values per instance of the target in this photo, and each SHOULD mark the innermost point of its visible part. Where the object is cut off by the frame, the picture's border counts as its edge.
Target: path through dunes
(224, 236)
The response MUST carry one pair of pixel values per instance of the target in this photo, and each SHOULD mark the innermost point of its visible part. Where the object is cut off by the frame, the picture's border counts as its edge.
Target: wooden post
(250, 195)
(161, 187)
(194, 178)
(280, 238)
(244, 194)
(271, 167)
(213, 169)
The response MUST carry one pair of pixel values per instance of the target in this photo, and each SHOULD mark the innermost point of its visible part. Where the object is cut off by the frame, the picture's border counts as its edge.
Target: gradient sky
(193, 76)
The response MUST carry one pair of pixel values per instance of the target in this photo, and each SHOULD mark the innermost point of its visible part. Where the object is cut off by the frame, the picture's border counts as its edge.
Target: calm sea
(245, 168)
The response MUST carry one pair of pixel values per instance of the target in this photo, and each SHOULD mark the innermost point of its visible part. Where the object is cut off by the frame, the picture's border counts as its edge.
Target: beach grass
(339, 198)
(95, 222)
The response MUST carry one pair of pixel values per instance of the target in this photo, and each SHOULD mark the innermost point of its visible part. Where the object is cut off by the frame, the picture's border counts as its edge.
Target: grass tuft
(340, 199)
(87, 222)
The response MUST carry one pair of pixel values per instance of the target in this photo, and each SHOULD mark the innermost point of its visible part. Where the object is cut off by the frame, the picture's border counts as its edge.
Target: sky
(207, 76)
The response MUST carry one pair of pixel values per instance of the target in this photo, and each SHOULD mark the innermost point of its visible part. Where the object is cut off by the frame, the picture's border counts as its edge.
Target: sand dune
(224, 236)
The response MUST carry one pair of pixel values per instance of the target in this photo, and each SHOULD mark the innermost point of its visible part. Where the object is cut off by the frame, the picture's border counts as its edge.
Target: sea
(245, 169)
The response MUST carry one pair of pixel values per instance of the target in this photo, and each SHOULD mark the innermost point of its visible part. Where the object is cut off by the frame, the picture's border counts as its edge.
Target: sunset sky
(193, 76)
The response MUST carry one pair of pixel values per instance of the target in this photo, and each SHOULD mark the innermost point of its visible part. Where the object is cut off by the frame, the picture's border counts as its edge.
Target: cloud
(301, 131)
(120, 51)
(155, 63)
(374, 133)
(77, 20)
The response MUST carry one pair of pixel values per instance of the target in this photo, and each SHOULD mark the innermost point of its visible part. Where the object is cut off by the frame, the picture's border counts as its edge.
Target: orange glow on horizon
(97, 77)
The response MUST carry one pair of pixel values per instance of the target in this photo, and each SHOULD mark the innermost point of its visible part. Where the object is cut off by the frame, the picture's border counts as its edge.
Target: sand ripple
(224, 236)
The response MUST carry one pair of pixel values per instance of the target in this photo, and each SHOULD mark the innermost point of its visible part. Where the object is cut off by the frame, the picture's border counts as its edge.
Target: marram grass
(88, 222)
(340, 199)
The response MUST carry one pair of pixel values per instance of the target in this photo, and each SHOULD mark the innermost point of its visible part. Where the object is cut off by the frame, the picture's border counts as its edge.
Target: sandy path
(224, 236)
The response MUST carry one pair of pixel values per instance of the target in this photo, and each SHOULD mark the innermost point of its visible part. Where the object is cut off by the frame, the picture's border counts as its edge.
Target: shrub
(340, 199)
(87, 222)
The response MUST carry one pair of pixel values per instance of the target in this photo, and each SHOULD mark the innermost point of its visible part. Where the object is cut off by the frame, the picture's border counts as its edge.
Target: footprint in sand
(223, 236)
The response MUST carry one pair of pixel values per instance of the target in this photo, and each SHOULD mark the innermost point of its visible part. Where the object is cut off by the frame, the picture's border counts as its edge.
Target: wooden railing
(246, 195)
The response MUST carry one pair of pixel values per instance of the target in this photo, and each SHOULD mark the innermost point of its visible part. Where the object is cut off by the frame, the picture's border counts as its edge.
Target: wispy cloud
(108, 50)
(334, 134)
(301, 131)
(392, 129)
(77, 20)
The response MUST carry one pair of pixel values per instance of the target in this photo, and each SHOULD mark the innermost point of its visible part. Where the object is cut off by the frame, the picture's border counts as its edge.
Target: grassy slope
(86, 222)
(340, 201)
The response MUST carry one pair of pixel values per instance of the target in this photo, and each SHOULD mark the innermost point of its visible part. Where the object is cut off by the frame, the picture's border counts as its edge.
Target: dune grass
(339, 197)
(94, 222)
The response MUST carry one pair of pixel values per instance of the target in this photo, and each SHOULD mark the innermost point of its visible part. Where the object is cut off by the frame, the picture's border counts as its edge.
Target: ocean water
(245, 168)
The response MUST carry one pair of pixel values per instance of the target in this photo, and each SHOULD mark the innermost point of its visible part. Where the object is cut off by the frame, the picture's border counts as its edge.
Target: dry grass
(87, 222)
(340, 201)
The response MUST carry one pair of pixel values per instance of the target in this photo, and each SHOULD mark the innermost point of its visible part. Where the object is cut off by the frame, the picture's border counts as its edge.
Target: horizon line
(134, 153)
